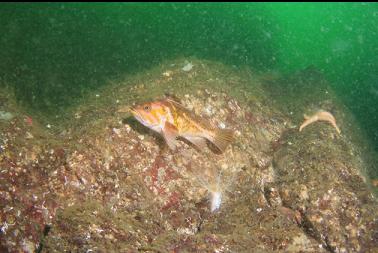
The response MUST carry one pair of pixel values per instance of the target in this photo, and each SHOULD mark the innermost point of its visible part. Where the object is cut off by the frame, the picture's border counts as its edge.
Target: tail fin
(222, 138)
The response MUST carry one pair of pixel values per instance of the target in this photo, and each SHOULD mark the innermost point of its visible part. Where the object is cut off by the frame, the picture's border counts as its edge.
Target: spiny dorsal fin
(198, 119)
(172, 97)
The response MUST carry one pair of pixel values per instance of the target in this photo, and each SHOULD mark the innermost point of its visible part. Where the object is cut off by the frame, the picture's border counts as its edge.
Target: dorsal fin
(172, 97)
(198, 119)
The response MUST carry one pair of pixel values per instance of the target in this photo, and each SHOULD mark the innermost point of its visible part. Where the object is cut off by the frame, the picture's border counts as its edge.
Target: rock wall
(95, 180)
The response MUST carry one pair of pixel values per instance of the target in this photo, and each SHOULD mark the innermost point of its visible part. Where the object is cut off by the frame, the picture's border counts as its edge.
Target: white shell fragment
(188, 67)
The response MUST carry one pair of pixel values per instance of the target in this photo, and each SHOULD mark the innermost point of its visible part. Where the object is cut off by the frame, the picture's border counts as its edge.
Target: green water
(54, 53)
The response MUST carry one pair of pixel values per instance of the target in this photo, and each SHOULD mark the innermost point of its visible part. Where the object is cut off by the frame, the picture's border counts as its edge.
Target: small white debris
(97, 95)
(258, 210)
(128, 128)
(188, 67)
(48, 126)
(28, 135)
(186, 231)
(117, 131)
(83, 180)
(215, 200)
(117, 101)
(6, 115)
(4, 228)
(209, 110)
(141, 137)
(222, 125)
(168, 73)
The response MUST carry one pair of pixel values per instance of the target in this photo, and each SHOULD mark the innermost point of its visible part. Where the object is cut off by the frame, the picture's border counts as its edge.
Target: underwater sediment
(96, 180)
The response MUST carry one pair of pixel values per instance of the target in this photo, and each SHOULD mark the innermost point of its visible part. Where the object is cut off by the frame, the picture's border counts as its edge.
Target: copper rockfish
(172, 120)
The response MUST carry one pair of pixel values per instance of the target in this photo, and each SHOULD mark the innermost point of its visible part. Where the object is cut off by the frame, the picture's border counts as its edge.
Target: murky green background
(54, 53)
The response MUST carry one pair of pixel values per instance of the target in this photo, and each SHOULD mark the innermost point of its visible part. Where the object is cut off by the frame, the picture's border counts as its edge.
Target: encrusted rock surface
(95, 180)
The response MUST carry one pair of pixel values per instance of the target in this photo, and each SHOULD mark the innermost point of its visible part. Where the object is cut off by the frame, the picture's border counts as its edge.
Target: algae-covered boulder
(95, 180)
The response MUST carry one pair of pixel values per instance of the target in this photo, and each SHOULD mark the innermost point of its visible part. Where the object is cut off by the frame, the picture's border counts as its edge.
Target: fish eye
(146, 107)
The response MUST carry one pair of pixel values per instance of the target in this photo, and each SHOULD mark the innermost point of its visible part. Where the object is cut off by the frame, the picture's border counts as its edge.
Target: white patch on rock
(188, 67)
(222, 125)
(215, 201)
(6, 115)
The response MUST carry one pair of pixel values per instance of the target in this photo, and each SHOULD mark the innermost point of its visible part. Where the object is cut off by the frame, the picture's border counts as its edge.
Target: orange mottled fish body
(172, 120)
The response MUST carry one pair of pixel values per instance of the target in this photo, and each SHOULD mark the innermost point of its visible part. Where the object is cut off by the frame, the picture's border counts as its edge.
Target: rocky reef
(95, 180)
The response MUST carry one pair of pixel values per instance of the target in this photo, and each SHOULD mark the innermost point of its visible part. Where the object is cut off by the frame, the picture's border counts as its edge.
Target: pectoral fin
(170, 134)
(199, 142)
(222, 138)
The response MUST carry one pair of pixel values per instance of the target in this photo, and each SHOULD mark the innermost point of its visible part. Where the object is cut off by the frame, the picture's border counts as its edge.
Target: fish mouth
(137, 115)
(134, 111)
(141, 119)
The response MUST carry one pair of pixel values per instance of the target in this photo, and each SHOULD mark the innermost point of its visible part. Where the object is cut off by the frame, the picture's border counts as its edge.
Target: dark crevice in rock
(46, 231)
(312, 232)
